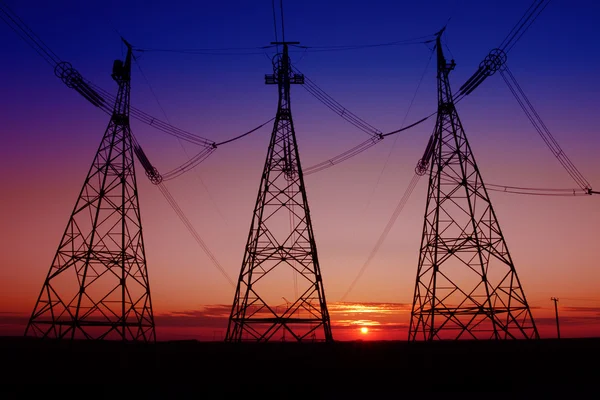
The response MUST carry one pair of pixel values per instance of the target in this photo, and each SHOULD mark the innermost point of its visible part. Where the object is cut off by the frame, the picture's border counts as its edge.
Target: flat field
(184, 369)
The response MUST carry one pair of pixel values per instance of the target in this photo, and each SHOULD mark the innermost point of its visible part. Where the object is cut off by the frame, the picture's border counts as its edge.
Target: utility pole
(97, 286)
(555, 300)
(281, 244)
(467, 285)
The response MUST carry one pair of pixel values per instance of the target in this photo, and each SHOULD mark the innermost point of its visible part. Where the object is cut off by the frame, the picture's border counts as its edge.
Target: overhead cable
(21, 29)
(399, 207)
(419, 40)
(311, 49)
(167, 195)
(494, 61)
(542, 130)
(403, 120)
(357, 149)
(336, 107)
(93, 93)
(537, 191)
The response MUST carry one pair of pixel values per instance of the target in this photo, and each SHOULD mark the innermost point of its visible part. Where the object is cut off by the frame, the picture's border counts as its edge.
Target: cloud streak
(346, 318)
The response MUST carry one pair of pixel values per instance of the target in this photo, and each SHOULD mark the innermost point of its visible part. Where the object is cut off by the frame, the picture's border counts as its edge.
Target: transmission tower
(467, 286)
(97, 286)
(280, 260)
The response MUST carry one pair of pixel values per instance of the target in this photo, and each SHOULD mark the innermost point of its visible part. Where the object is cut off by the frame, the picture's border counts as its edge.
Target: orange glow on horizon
(209, 322)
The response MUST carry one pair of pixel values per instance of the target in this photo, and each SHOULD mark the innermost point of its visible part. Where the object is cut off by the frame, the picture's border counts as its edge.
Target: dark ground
(367, 370)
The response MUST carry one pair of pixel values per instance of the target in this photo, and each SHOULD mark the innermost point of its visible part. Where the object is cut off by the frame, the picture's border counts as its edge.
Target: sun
(364, 330)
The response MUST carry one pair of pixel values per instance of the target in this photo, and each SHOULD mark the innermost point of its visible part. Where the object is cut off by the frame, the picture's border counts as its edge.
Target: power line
(191, 161)
(527, 27)
(21, 29)
(203, 155)
(386, 231)
(282, 25)
(98, 97)
(244, 134)
(542, 130)
(358, 149)
(275, 23)
(496, 59)
(402, 124)
(304, 48)
(336, 107)
(343, 156)
(73, 79)
(153, 121)
(490, 65)
(537, 191)
(93, 93)
(208, 51)
(242, 51)
(523, 24)
(419, 40)
(152, 90)
(167, 195)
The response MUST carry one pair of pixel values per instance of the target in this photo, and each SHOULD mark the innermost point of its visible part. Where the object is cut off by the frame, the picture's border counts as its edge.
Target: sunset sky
(50, 136)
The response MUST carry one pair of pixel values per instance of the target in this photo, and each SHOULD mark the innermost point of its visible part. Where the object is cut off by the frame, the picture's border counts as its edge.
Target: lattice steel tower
(280, 260)
(467, 285)
(97, 286)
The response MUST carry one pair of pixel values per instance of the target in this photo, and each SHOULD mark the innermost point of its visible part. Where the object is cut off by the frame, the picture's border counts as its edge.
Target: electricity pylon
(467, 286)
(97, 286)
(280, 259)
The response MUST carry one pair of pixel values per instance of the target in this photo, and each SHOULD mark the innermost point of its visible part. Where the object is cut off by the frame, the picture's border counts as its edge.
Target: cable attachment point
(421, 167)
(493, 62)
(154, 176)
(65, 71)
(282, 70)
(73, 79)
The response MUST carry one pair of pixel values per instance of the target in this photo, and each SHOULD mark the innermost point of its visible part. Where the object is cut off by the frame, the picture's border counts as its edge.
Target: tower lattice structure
(280, 295)
(466, 286)
(97, 286)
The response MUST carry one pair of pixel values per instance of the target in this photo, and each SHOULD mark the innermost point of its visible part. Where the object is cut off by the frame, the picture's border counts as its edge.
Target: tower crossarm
(445, 105)
(467, 285)
(97, 286)
(282, 69)
(423, 163)
(92, 93)
(284, 76)
(280, 241)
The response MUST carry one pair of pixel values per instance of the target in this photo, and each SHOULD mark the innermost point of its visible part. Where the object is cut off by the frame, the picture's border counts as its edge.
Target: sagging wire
(169, 197)
(542, 129)
(399, 207)
(497, 57)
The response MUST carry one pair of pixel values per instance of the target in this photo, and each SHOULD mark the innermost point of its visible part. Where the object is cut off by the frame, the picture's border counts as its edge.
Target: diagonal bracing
(97, 286)
(467, 285)
(279, 294)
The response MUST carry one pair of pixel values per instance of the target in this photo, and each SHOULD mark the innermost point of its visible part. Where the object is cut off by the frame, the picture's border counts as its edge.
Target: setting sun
(364, 330)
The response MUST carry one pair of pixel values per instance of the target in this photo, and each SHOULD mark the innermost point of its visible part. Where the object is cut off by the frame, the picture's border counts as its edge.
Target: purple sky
(51, 134)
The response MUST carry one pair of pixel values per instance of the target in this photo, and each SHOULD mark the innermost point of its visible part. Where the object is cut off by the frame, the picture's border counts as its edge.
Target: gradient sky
(50, 135)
